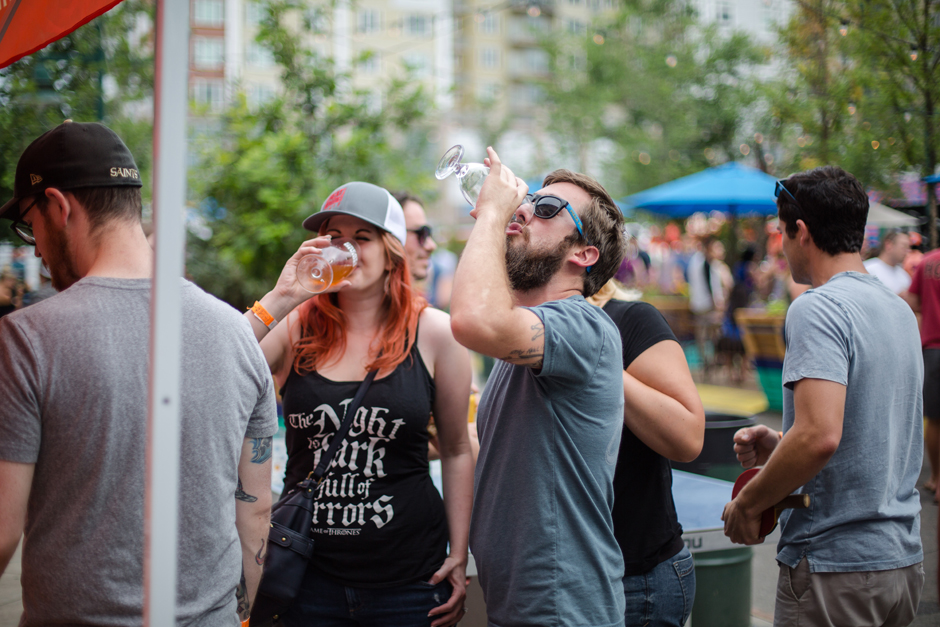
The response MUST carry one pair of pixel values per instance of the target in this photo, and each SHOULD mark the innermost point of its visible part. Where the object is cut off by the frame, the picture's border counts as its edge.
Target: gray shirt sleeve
(574, 340)
(818, 338)
(263, 420)
(20, 425)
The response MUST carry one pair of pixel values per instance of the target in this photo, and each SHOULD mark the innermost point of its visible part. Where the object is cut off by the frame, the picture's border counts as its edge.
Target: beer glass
(318, 273)
(470, 176)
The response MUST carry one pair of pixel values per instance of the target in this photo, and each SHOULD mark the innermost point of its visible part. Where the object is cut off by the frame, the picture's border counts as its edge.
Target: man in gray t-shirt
(852, 425)
(73, 406)
(552, 412)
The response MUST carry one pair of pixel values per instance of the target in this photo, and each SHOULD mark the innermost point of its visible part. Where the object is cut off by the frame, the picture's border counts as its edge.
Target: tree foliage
(264, 170)
(670, 94)
(69, 78)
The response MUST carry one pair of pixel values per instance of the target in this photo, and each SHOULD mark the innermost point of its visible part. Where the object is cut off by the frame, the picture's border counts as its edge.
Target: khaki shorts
(858, 599)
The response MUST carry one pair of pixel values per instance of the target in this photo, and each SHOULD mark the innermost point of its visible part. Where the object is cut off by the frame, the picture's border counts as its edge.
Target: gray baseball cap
(365, 201)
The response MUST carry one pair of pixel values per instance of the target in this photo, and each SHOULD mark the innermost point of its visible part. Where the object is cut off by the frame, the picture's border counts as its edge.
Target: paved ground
(764, 579)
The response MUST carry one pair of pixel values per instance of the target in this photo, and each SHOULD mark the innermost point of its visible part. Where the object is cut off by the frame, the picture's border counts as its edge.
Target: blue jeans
(663, 596)
(325, 603)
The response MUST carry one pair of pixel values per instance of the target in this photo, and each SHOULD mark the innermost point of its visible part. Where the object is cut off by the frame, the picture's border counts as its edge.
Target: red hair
(323, 323)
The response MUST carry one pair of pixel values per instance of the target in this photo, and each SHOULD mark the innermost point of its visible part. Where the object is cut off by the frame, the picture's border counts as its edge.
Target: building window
(317, 21)
(488, 91)
(254, 12)
(369, 21)
(489, 58)
(490, 24)
(369, 63)
(208, 53)
(576, 27)
(373, 102)
(418, 64)
(209, 13)
(207, 92)
(526, 96)
(259, 94)
(259, 56)
(725, 15)
(418, 25)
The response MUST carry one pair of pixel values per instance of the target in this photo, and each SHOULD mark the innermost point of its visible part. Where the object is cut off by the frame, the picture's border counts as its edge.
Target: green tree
(896, 46)
(818, 110)
(669, 93)
(67, 80)
(265, 170)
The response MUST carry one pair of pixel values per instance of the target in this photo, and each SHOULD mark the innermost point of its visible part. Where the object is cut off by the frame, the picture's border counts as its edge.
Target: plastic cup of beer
(318, 273)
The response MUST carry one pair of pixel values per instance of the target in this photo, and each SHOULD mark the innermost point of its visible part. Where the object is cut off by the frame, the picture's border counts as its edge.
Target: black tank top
(379, 521)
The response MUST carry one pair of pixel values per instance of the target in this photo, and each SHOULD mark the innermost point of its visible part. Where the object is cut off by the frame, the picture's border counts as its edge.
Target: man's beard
(531, 269)
(58, 258)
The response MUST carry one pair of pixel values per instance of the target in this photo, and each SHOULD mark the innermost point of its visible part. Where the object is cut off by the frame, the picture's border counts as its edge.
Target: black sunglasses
(547, 207)
(423, 233)
(23, 230)
(780, 188)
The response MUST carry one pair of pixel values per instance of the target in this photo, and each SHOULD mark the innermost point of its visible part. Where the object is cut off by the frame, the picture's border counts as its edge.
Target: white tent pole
(169, 199)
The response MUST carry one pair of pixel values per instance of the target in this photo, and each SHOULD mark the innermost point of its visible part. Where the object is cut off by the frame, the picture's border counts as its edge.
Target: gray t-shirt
(73, 401)
(865, 511)
(542, 532)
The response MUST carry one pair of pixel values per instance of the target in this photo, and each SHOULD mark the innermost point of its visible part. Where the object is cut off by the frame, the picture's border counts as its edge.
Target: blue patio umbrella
(731, 188)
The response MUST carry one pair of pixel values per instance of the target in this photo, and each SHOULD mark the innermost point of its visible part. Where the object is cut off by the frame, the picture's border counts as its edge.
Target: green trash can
(717, 459)
(722, 588)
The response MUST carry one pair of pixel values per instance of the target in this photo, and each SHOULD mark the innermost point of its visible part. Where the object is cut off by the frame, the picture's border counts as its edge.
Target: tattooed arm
(253, 515)
(485, 316)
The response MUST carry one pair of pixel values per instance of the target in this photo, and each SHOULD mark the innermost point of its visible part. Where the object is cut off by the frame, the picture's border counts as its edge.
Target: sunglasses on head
(780, 188)
(423, 233)
(547, 207)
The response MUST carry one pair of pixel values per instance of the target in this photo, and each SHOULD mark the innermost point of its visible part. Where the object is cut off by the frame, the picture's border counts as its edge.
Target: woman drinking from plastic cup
(381, 530)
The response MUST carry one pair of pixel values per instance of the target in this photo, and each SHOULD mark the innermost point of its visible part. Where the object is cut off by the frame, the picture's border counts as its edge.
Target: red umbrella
(27, 26)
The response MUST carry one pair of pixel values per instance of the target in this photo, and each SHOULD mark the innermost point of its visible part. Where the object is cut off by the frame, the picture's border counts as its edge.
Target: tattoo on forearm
(260, 450)
(259, 556)
(531, 357)
(539, 330)
(241, 594)
(241, 495)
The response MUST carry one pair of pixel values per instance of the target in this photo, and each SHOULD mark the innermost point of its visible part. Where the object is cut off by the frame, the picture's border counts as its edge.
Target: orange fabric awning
(29, 25)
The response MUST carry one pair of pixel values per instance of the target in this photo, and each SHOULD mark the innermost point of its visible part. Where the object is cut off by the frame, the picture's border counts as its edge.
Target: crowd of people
(590, 399)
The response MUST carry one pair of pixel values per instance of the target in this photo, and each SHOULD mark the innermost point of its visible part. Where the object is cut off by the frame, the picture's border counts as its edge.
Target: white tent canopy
(883, 216)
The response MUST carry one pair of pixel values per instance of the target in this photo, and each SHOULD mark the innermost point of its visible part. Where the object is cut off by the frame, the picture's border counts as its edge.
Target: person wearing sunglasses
(852, 425)
(551, 415)
(420, 244)
(74, 387)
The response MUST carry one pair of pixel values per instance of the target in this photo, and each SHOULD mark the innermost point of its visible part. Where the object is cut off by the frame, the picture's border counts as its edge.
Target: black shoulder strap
(324, 466)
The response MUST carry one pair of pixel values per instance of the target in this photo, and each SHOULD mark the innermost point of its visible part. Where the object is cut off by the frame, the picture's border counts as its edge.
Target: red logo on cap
(334, 199)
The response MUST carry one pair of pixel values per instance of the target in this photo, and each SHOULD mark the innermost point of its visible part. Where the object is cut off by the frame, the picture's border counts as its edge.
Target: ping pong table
(699, 503)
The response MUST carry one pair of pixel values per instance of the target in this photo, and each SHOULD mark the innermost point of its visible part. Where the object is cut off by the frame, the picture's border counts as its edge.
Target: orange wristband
(262, 314)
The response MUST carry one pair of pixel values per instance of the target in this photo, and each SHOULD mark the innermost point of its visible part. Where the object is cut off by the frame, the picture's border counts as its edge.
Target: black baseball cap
(71, 156)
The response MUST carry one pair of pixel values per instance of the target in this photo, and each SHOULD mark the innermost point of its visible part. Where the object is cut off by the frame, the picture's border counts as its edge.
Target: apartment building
(372, 40)
(499, 57)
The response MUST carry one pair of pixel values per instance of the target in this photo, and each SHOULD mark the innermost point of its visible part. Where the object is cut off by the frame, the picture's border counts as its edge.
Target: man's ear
(59, 207)
(585, 256)
(803, 235)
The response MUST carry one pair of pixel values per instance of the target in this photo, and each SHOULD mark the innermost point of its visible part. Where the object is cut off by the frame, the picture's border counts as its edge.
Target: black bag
(289, 543)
